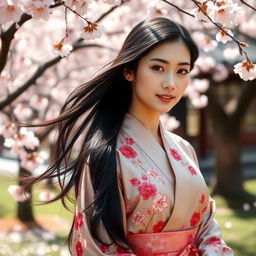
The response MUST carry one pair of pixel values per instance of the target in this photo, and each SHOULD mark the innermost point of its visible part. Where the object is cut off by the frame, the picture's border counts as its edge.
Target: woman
(138, 187)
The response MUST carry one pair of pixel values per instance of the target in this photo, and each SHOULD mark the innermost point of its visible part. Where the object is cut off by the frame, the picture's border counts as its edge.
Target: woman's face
(161, 78)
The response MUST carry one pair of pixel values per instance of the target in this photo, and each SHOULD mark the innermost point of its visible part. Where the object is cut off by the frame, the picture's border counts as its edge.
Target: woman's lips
(165, 98)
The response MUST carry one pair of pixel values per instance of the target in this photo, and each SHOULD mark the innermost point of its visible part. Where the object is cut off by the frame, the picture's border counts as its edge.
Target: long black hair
(94, 113)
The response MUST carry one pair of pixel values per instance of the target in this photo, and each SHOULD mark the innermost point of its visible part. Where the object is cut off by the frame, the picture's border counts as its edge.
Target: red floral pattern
(129, 140)
(147, 190)
(225, 249)
(175, 154)
(192, 170)
(202, 199)
(213, 241)
(120, 251)
(144, 177)
(135, 182)
(128, 151)
(104, 248)
(195, 218)
(79, 220)
(79, 248)
(138, 218)
(158, 227)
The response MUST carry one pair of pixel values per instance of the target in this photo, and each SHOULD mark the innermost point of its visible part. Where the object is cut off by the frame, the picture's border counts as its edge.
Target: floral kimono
(166, 204)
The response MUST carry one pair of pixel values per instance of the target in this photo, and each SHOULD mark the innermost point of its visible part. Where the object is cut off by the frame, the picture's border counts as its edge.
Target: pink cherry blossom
(38, 9)
(222, 12)
(137, 218)
(8, 130)
(205, 63)
(46, 196)
(204, 41)
(201, 85)
(80, 6)
(160, 203)
(220, 73)
(223, 37)
(112, 2)
(28, 138)
(246, 70)
(4, 81)
(62, 49)
(9, 11)
(249, 25)
(170, 123)
(91, 30)
(200, 13)
(39, 103)
(22, 111)
(30, 161)
(231, 52)
(200, 102)
(18, 193)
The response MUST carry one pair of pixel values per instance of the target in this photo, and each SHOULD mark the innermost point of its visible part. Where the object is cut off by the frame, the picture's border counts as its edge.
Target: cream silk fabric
(161, 190)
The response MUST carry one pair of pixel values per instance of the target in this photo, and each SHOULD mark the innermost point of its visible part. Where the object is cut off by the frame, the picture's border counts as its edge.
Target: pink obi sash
(174, 243)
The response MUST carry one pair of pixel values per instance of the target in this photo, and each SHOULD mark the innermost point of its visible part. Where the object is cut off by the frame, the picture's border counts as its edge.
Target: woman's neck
(149, 120)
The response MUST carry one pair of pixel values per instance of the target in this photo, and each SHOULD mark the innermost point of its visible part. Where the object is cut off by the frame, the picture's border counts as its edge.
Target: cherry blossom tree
(48, 47)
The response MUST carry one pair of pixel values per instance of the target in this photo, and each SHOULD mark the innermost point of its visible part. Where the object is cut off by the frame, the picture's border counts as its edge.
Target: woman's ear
(128, 74)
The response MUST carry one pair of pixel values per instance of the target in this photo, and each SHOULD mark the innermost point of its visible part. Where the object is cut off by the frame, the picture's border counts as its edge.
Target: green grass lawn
(238, 226)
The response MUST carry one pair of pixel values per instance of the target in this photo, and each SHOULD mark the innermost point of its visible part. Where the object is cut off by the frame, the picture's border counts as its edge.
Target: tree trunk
(25, 209)
(229, 179)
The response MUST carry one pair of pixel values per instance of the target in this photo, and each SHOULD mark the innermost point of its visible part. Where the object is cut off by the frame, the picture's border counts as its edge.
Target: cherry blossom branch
(181, 10)
(39, 72)
(111, 10)
(8, 35)
(178, 8)
(240, 44)
(248, 5)
(101, 17)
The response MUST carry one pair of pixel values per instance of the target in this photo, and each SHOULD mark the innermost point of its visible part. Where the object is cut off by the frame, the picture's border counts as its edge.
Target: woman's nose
(169, 82)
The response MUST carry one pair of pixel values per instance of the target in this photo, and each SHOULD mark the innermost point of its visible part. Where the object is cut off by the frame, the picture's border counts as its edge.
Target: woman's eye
(157, 68)
(183, 71)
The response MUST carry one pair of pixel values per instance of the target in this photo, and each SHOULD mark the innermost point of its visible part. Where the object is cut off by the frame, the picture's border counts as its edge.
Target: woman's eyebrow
(167, 62)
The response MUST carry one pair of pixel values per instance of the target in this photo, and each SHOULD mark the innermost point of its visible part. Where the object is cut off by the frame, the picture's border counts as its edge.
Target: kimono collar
(141, 134)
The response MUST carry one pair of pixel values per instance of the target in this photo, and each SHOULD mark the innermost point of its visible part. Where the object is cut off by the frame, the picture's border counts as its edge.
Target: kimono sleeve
(209, 241)
(83, 242)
